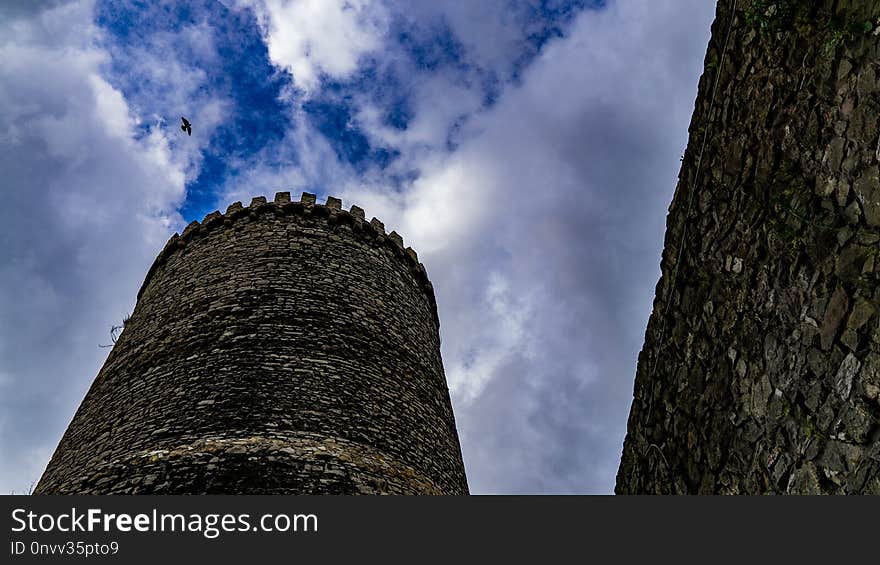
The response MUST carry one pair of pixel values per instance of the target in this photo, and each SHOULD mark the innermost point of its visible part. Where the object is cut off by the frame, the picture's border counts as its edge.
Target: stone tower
(280, 348)
(760, 371)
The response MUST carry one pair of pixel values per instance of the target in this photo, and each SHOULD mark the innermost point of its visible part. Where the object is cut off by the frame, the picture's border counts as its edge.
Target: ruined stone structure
(285, 347)
(760, 371)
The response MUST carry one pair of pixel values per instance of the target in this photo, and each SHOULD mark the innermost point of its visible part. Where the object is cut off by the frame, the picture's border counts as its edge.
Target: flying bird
(186, 126)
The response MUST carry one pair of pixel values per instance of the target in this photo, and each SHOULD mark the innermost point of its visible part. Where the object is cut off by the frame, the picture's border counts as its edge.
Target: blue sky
(235, 67)
(527, 149)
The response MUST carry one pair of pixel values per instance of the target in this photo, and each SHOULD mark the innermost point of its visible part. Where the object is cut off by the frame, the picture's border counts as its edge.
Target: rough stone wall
(763, 375)
(285, 347)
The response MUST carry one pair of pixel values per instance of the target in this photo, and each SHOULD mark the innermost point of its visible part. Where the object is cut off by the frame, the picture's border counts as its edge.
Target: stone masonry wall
(285, 347)
(763, 376)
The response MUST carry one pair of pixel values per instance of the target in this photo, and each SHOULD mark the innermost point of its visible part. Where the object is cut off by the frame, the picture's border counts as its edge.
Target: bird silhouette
(186, 126)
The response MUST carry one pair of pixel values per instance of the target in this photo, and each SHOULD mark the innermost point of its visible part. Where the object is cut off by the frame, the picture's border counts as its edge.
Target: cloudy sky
(527, 149)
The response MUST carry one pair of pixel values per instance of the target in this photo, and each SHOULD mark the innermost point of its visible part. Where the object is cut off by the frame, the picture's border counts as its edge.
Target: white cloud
(311, 37)
(508, 312)
(439, 100)
(294, 164)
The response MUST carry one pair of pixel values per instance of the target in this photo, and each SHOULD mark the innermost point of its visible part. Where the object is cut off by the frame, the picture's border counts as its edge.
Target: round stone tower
(280, 348)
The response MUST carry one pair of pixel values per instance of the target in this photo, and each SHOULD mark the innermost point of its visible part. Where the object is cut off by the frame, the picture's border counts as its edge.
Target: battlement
(330, 212)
